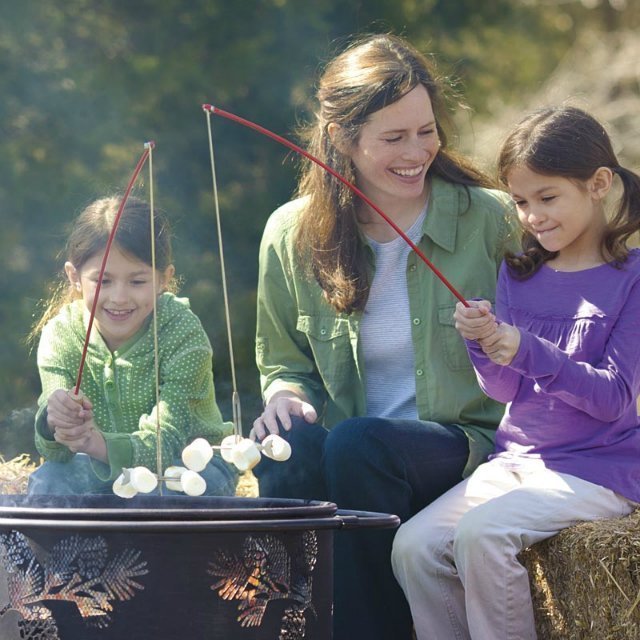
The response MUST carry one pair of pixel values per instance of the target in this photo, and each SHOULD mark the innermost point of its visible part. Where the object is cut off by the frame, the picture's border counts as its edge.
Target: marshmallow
(245, 454)
(143, 480)
(123, 488)
(276, 448)
(227, 447)
(172, 476)
(197, 455)
(192, 483)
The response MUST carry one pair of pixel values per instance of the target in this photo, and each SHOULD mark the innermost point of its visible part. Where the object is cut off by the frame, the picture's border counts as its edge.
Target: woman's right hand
(281, 406)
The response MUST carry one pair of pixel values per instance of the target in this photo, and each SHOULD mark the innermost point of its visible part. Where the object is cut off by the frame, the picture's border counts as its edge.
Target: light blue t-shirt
(385, 331)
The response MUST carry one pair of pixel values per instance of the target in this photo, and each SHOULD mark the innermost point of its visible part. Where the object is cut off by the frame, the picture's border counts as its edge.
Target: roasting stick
(103, 266)
(156, 351)
(237, 415)
(208, 108)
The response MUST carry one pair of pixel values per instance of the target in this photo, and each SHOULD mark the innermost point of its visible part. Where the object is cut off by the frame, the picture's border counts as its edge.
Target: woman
(361, 366)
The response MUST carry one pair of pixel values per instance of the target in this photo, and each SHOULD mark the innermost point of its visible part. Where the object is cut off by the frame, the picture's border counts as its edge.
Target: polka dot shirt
(121, 384)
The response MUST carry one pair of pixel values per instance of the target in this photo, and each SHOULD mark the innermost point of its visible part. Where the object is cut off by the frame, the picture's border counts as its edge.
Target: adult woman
(361, 366)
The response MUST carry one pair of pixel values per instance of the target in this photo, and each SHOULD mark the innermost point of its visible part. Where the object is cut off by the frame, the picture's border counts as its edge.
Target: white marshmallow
(276, 448)
(227, 447)
(193, 484)
(123, 488)
(197, 455)
(172, 476)
(143, 480)
(246, 455)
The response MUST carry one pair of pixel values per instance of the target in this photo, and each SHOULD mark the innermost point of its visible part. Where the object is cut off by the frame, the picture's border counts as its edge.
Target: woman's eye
(394, 139)
(548, 198)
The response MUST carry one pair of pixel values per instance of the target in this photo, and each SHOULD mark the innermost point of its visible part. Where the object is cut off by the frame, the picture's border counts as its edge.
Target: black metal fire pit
(171, 567)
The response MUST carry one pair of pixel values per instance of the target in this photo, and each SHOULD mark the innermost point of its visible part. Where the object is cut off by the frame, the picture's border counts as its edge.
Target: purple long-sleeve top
(571, 388)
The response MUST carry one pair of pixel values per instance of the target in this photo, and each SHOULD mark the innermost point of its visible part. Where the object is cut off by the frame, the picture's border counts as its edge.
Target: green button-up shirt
(121, 385)
(304, 345)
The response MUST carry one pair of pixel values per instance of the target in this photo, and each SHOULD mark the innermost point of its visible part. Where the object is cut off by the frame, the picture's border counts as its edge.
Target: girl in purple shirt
(562, 350)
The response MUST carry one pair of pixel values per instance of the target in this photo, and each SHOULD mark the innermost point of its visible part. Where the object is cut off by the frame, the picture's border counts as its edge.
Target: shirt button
(323, 332)
(412, 267)
(419, 372)
(416, 321)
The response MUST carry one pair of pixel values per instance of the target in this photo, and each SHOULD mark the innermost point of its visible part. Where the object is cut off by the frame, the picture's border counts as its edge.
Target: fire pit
(154, 568)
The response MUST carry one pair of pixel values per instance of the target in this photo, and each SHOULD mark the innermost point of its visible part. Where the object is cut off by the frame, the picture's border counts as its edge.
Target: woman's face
(395, 149)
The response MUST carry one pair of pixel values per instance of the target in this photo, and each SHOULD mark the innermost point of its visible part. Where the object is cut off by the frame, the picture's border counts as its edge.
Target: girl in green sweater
(87, 443)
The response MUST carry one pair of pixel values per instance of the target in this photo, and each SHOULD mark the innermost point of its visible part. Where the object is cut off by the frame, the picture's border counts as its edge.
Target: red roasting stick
(306, 154)
(143, 158)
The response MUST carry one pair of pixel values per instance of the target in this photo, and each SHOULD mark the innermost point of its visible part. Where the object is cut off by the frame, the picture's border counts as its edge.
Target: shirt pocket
(453, 345)
(330, 342)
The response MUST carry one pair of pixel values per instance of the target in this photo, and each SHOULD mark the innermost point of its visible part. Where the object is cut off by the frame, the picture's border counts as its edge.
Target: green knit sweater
(121, 385)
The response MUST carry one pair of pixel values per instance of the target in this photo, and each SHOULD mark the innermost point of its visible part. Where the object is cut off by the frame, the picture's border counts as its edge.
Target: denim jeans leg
(389, 466)
(75, 477)
(301, 475)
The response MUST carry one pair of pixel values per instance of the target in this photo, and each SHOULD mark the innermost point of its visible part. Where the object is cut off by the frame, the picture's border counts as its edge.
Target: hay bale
(585, 582)
(14, 474)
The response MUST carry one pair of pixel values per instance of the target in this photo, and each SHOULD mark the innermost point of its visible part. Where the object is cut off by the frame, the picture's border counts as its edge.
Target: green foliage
(85, 83)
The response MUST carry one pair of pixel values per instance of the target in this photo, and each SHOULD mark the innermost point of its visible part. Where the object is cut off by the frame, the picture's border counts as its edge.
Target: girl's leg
(301, 475)
(389, 466)
(75, 477)
(423, 559)
(490, 537)
(220, 476)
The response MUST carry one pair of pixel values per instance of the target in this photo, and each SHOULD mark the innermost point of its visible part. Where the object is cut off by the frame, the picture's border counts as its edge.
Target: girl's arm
(482, 330)
(605, 389)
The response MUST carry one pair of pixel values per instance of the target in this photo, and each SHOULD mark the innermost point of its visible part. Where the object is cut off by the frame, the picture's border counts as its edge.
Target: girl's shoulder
(69, 319)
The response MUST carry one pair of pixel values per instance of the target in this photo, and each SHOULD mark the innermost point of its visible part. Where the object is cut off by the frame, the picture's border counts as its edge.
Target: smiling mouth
(118, 313)
(408, 173)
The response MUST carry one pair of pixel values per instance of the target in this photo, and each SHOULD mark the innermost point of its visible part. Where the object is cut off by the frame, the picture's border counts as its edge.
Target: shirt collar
(441, 222)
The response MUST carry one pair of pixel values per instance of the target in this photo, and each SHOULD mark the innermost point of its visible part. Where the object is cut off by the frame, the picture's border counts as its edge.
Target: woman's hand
(503, 345)
(475, 322)
(281, 406)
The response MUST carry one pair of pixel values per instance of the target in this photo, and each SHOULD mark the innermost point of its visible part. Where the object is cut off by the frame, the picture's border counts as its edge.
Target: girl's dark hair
(568, 142)
(369, 75)
(89, 235)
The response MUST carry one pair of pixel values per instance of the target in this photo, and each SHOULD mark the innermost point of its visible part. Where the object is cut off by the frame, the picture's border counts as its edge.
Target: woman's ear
(73, 275)
(600, 182)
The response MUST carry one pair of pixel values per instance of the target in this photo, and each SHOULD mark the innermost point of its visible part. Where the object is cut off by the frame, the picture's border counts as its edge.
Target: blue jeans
(77, 477)
(370, 464)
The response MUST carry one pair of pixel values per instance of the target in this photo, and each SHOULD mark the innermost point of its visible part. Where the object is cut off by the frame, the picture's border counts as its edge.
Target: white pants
(456, 560)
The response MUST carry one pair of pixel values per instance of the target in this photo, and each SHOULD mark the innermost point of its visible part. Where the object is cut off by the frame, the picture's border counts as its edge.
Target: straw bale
(585, 582)
(14, 474)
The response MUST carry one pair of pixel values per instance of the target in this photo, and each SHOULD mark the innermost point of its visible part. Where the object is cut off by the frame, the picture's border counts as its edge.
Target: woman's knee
(349, 441)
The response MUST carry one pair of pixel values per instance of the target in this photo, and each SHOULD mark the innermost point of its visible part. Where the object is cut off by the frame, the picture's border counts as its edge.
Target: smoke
(17, 434)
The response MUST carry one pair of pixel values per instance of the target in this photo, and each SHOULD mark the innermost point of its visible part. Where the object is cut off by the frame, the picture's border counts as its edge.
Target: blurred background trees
(84, 83)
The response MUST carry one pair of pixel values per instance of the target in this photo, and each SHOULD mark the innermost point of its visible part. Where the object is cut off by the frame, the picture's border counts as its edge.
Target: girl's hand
(91, 442)
(64, 410)
(281, 406)
(503, 345)
(475, 322)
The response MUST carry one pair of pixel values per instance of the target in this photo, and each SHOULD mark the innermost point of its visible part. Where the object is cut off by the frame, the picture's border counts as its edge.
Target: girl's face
(394, 151)
(126, 293)
(564, 215)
